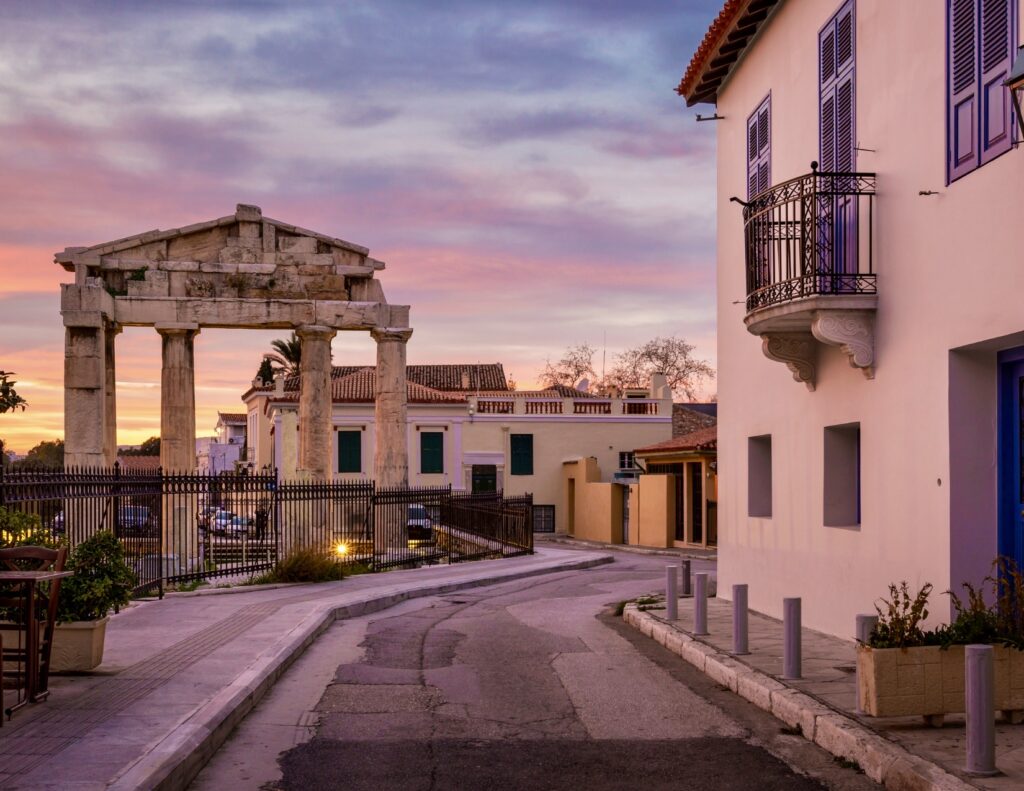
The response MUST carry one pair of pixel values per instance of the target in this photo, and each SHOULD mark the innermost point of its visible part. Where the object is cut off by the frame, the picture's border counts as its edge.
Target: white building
(890, 294)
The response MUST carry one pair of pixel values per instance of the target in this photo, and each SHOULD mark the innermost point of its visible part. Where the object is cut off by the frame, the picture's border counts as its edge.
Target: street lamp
(1015, 84)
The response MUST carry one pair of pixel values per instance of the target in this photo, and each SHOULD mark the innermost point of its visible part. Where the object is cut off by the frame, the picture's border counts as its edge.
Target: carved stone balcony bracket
(798, 350)
(853, 331)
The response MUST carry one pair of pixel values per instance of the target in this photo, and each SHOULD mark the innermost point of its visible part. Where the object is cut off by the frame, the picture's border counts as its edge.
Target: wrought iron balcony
(809, 246)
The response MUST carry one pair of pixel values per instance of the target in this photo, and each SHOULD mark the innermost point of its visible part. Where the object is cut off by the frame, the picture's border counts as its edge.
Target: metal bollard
(700, 604)
(685, 573)
(740, 643)
(671, 594)
(865, 626)
(980, 690)
(791, 649)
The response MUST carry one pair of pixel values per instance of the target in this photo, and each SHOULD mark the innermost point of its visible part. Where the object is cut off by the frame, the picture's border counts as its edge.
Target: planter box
(929, 681)
(78, 645)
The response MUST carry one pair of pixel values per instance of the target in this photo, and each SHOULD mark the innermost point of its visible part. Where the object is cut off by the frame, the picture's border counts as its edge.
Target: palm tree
(286, 355)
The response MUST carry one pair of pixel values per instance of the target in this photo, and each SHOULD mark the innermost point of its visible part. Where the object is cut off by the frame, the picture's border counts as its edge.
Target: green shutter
(431, 452)
(350, 451)
(522, 454)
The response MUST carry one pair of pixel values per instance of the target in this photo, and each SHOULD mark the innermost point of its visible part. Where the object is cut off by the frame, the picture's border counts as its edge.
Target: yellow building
(466, 428)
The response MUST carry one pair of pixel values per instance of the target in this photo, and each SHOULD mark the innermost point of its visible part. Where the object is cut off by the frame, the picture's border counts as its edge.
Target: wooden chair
(45, 604)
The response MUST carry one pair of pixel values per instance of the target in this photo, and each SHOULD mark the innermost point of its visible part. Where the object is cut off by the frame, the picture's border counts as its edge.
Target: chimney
(279, 385)
(658, 385)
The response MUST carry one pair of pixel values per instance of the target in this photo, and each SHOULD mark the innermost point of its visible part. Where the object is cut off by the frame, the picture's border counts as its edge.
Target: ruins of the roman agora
(662, 429)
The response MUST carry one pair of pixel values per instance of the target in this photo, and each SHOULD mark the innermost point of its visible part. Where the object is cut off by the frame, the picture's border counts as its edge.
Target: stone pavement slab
(900, 752)
(179, 674)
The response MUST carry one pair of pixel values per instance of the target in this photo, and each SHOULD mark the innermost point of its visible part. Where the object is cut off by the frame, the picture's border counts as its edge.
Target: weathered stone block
(366, 290)
(144, 310)
(204, 246)
(269, 237)
(82, 318)
(348, 315)
(177, 284)
(398, 315)
(256, 314)
(154, 283)
(297, 244)
(251, 231)
(83, 372)
(179, 266)
(353, 271)
(257, 269)
(245, 212)
(219, 268)
(245, 242)
(240, 255)
(306, 259)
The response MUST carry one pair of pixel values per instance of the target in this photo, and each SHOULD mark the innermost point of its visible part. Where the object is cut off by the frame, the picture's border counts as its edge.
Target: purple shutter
(838, 99)
(994, 121)
(759, 149)
(963, 87)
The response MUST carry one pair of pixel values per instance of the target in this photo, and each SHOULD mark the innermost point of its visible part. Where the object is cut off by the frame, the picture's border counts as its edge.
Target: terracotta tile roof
(726, 40)
(449, 377)
(139, 463)
(686, 419)
(232, 417)
(555, 391)
(359, 387)
(702, 439)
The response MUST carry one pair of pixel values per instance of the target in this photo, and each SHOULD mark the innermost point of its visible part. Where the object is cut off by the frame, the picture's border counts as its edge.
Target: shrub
(899, 624)
(102, 580)
(19, 529)
(303, 565)
(974, 621)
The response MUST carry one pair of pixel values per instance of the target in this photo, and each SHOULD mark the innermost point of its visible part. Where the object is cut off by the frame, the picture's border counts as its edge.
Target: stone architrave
(178, 397)
(391, 464)
(315, 402)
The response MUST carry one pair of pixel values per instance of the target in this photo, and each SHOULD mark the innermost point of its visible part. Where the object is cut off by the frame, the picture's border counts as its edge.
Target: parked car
(419, 524)
(137, 520)
(235, 525)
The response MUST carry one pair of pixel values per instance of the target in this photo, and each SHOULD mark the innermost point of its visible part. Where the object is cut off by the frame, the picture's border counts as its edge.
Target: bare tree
(576, 363)
(671, 356)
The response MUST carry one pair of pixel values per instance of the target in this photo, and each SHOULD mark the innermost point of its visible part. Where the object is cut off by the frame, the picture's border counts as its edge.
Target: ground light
(1015, 83)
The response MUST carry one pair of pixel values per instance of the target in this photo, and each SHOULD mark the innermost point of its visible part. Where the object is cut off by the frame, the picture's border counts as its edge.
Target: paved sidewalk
(179, 674)
(900, 752)
(686, 553)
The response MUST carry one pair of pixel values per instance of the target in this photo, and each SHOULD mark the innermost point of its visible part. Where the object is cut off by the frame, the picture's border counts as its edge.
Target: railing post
(791, 649)
(979, 687)
(700, 604)
(740, 642)
(671, 593)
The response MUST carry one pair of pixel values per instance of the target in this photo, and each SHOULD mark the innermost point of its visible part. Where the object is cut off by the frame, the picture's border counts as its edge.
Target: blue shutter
(963, 87)
(522, 454)
(431, 452)
(838, 97)
(350, 456)
(759, 151)
(996, 54)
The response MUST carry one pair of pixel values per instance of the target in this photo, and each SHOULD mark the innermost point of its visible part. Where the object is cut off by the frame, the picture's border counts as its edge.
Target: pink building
(870, 202)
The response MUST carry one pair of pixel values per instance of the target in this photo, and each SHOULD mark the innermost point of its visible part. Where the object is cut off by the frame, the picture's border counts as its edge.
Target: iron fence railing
(187, 527)
(809, 236)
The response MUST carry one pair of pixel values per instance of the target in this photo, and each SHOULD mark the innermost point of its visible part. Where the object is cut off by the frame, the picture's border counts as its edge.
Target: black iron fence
(177, 528)
(809, 236)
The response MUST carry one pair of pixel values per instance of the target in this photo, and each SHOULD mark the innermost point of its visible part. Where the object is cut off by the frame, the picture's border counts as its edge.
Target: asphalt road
(532, 684)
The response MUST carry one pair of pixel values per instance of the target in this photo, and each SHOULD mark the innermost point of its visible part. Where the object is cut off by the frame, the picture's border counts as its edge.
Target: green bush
(304, 565)
(18, 529)
(900, 617)
(102, 581)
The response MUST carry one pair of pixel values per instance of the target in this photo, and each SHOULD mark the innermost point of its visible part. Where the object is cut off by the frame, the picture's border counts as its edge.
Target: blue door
(1011, 455)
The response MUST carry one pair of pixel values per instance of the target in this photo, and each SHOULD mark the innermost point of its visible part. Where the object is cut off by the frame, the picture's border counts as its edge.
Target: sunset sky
(523, 166)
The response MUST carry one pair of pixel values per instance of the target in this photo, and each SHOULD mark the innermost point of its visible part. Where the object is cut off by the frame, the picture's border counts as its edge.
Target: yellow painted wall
(653, 517)
(598, 506)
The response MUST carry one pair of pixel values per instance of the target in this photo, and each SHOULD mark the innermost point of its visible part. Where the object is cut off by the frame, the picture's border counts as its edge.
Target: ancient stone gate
(242, 271)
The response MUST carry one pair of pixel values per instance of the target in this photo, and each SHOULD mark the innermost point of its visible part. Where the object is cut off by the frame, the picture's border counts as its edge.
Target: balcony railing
(810, 236)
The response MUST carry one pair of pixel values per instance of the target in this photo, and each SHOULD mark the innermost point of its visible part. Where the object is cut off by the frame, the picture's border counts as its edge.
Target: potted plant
(904, 670)
(102, 582)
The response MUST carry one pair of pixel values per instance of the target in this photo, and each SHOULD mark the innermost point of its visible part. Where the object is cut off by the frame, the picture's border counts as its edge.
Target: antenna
(604, 354)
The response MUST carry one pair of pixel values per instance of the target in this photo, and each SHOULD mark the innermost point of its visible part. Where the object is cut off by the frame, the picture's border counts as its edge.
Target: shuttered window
(522, 454)
(350, 451)
(431, 452)
(980, 38)
(836, 59)
(759, 149)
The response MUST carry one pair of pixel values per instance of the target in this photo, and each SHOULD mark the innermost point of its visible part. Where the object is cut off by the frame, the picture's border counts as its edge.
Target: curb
(636, 550)
(882, 760)
(172, 762)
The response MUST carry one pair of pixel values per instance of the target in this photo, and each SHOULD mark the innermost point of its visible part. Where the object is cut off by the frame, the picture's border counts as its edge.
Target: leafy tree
(576, 363)
(266, 372)
(150, 447)
(286, 355)
(5, 455)
(46, 454)
(9, 398)
(671, 356)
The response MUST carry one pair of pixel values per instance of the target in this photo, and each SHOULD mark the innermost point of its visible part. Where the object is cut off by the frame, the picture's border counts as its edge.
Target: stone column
(178, 397)
(315, 402)
(85, 385)
(391, 460)
(110, 403)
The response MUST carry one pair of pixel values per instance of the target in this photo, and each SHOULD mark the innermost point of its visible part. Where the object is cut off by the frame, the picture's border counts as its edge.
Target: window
(759, 476)
(522, 454)
(350, 451)
(979, 41)
(842, 475)
(626, 461)
(759, 150)
(543, 519)
(837, 54)
(431, 452)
